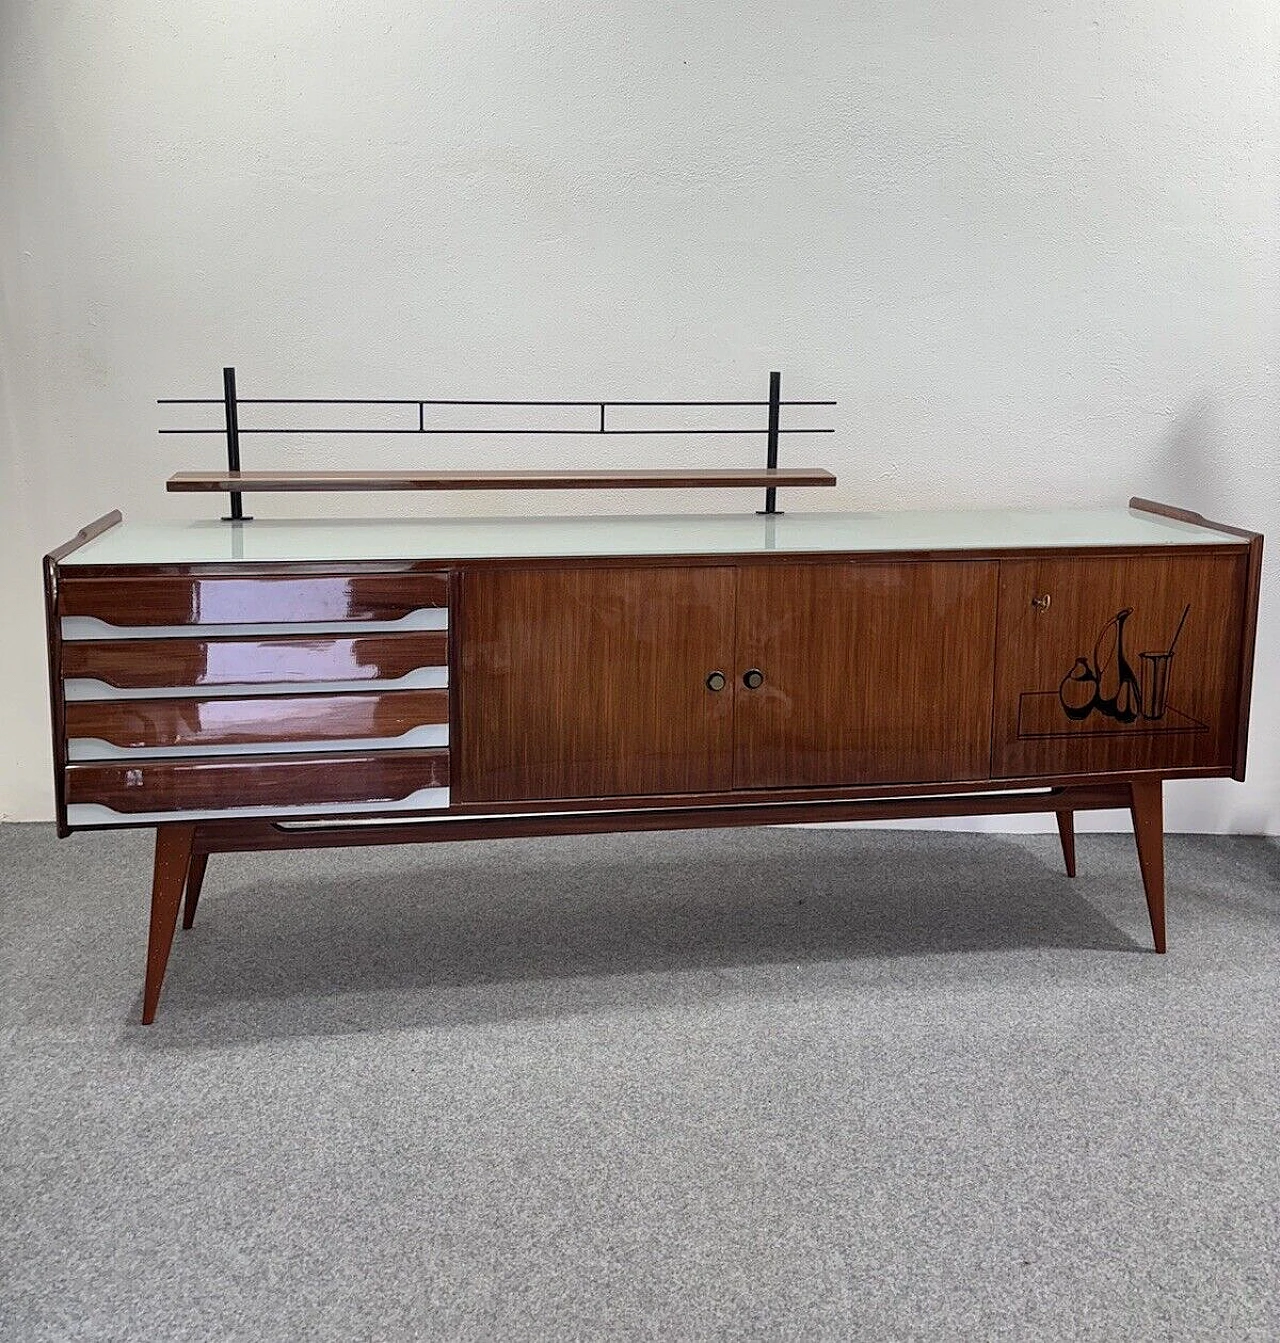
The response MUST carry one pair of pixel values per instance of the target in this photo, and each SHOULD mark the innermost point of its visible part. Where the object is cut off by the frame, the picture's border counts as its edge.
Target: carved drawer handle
(1041, 603)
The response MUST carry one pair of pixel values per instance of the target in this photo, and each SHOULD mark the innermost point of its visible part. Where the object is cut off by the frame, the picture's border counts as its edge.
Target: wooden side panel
(57, 692)
(583, 682)
(148, 664)
(263, 599)
(1248, 647)
(173, 721)
(873, 673)
(1131, 663)
(264, 781)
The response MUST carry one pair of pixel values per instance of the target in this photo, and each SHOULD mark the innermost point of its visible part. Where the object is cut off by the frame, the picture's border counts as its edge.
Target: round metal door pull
(716, 681)
(753, 679)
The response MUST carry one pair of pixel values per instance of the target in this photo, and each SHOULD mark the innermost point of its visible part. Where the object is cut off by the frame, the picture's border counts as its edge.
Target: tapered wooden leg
(1067, 834)
(173, 858)
(195, 879)
(1148, 830)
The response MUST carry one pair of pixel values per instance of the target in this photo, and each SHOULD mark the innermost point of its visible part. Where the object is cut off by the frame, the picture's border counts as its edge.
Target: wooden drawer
(267, 599)
(174, 721)
(218, 783)
(148, 664)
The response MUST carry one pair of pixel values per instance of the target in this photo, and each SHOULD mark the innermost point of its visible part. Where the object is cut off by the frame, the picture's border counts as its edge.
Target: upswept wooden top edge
(1141, 505)
(227, 481)
(86, 534)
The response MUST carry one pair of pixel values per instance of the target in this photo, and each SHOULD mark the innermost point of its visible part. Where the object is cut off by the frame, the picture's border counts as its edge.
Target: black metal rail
(231, 403)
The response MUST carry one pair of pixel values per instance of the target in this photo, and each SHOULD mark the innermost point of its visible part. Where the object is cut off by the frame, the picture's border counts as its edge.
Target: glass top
(321, 540)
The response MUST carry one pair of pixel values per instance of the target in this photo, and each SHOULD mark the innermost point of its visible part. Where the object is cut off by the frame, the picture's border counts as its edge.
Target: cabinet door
(1118, 663)
(593, 682)
(873, 673)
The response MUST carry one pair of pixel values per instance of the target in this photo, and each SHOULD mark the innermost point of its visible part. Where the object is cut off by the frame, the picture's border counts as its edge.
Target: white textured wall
(1032, 249)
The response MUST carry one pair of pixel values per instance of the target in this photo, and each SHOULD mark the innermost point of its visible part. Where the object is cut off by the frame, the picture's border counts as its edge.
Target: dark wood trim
(215, 783)
(312, 481)
(851, 793)
(238, 659)
(694, 802)
(172, 861)
(195, 880)
(457, 614)
(240, 720)
(53, 654)
(86, 534)
(246, 836)
(1248, 643)
(57, 695)
(1067, 838)
(1140, 505)
(1146, 803)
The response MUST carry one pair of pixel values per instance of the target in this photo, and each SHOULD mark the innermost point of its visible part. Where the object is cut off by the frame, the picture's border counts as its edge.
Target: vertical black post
(233, 441)
(771, 461)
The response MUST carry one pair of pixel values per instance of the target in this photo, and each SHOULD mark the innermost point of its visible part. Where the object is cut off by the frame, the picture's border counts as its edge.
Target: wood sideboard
(270, 685)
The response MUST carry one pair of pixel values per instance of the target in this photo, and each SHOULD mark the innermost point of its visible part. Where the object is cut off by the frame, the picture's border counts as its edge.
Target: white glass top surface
(264, 540)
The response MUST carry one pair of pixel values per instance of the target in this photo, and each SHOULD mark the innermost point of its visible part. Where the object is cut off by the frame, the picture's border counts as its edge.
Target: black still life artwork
(1105, 693)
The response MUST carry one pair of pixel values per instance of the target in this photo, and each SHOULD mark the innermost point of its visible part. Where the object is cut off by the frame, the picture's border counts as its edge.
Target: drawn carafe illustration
(1119, 694)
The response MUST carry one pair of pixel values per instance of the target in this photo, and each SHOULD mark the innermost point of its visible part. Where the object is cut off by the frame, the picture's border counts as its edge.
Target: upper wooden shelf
(277, 481)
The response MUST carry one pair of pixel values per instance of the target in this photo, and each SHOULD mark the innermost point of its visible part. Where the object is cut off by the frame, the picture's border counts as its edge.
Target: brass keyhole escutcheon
(1041, 603)
(753, 679)
(717, 681)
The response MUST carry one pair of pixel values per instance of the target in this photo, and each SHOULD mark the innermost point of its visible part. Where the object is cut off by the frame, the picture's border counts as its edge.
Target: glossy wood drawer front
(148, 664)
(266, 780)
(1111, 664)
(128, 601)
(173, 721)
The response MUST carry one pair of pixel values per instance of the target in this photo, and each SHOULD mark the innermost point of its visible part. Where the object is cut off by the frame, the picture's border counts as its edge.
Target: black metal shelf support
(233, 441)
(771, 450)
(231, 410)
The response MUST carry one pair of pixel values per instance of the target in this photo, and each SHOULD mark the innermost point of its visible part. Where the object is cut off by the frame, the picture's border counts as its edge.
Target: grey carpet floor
(772, 1084)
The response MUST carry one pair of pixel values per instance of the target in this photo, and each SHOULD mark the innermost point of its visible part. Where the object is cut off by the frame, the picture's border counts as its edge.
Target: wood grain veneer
(173, 721)
(873, 673)
(592, 682)
(145, 664)
(218, 782)
(53, 654)
(1141, 505)
(1038, 648)
(278, 599)
(284, 481)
